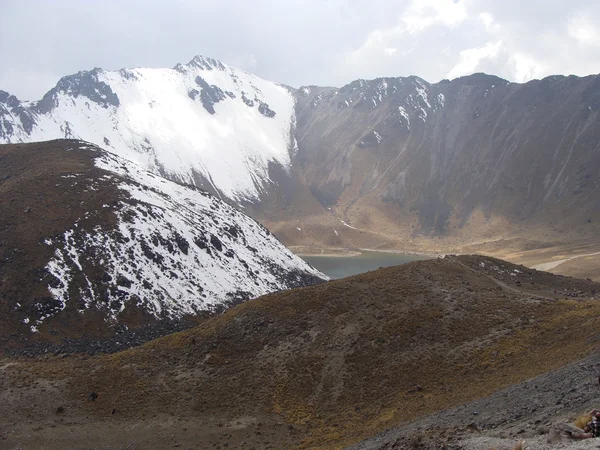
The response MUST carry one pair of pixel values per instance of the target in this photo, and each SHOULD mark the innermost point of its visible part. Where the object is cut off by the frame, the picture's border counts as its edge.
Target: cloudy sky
(298, 42)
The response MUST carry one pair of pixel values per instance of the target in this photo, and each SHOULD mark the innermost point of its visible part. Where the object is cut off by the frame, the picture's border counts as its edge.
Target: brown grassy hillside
(37, 202)
(325, 366)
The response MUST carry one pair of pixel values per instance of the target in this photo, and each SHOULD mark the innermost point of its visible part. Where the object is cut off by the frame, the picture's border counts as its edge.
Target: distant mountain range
(464, 161)
(390, 162)
(132, 220)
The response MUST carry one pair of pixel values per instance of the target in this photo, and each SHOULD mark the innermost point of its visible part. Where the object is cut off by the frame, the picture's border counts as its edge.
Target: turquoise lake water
(345, 266)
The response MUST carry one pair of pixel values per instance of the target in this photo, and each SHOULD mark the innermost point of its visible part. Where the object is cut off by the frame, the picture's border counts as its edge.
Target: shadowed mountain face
(390, 162)
(463, 160)
(92, 244)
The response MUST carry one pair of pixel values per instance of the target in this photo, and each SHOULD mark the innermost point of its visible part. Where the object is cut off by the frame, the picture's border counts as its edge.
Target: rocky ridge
(89, 237)
(435, 158)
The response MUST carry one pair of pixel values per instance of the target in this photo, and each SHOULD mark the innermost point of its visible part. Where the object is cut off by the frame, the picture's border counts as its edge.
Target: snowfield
(202, 123)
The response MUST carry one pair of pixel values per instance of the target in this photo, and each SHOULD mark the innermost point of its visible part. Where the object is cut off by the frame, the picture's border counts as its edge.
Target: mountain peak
(482, 78)
(202, 62)
(86, 83)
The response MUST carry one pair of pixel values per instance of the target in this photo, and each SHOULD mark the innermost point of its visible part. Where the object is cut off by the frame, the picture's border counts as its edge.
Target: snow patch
(404, 117)
(348, 225)
(176, 251)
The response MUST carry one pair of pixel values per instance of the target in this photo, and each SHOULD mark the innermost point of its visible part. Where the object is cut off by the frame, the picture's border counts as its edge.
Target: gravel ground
(525, 411)
(122, 340)
(537, 443)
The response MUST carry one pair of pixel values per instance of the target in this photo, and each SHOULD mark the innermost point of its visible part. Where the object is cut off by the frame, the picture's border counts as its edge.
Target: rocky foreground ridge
(327, 366)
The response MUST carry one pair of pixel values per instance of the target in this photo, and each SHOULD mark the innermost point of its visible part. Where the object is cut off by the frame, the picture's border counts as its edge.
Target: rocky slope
(464, 161)
(328, 365)
(526, 412)
(92, 244)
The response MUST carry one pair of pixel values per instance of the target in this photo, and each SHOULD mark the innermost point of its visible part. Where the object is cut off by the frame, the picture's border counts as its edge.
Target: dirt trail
(553, 264)
(506, 287)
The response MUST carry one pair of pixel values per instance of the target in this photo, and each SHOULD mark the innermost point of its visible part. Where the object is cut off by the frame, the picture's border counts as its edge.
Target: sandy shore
(345, 252)
(553, 264)
(405, 252)
(328, 252)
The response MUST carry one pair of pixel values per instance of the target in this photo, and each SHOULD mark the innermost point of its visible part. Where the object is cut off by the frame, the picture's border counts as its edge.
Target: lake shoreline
(302, 251)
(312, 252)
(345, 263)
(406, 252)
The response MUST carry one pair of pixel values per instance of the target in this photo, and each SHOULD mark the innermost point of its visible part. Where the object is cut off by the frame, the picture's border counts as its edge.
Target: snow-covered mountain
(383, 163)
(101, 235)
(203, 123)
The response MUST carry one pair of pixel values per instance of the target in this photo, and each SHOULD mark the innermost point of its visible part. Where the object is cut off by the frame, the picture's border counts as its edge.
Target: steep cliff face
(414, 159)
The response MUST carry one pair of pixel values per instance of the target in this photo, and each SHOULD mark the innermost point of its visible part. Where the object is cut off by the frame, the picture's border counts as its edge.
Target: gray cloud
(326, 42)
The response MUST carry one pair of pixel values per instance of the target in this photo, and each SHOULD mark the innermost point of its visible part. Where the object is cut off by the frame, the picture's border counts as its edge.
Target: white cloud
(450, 38)
(300, 42)
(470, 59)
(247, 62)
(525, 67)
(583, 30)
(399, 41)
(488, 21)
(422, 14)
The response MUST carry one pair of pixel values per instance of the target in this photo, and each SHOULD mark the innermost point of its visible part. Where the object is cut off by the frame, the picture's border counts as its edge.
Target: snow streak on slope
(175, 251)
(202, 123)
